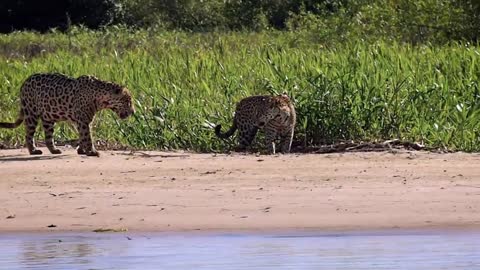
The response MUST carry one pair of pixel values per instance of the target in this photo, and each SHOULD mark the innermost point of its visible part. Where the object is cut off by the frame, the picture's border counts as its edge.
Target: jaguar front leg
(270, 136)
(286, 139)
(48, 128)
(85, 144)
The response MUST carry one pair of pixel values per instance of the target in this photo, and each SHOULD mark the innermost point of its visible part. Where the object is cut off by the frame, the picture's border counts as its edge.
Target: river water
(432, 250)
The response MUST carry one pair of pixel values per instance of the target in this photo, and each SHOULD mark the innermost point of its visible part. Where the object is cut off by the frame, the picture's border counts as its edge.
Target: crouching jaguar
(274, 114)
(54, 97)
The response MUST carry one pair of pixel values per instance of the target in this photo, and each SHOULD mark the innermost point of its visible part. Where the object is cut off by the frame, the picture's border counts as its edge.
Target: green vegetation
(185, 83)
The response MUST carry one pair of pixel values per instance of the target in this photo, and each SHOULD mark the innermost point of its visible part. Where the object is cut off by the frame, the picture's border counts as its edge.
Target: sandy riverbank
(157, 191)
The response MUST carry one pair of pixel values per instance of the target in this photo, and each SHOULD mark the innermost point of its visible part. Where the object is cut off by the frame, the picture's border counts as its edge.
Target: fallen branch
(362, 147)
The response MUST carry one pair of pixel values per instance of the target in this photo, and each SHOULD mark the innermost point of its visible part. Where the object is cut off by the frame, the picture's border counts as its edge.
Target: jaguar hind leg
(245, 137)
(31, 126)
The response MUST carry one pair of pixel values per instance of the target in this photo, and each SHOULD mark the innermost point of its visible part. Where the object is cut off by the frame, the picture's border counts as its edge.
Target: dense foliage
(61, 14)
(185, 83)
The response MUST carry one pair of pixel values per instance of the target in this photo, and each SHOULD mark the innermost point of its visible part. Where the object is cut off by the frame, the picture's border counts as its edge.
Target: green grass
(186, 83)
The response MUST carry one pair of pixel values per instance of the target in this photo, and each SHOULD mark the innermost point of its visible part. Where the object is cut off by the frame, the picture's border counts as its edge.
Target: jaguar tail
(218, 131)
(13, 125)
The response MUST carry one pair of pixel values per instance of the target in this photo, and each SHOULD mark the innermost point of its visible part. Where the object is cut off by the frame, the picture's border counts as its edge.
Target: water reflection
(58, 251)
(44, 252)
(409, 250)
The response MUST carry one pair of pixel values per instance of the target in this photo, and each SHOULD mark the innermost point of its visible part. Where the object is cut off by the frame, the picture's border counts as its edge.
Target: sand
(167, 191)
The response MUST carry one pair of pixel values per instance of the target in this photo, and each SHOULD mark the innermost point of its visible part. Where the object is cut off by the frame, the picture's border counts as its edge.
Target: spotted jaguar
(53, 97)
(275, 115)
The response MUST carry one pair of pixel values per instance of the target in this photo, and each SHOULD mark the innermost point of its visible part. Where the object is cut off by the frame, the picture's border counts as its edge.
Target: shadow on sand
(9, 158)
